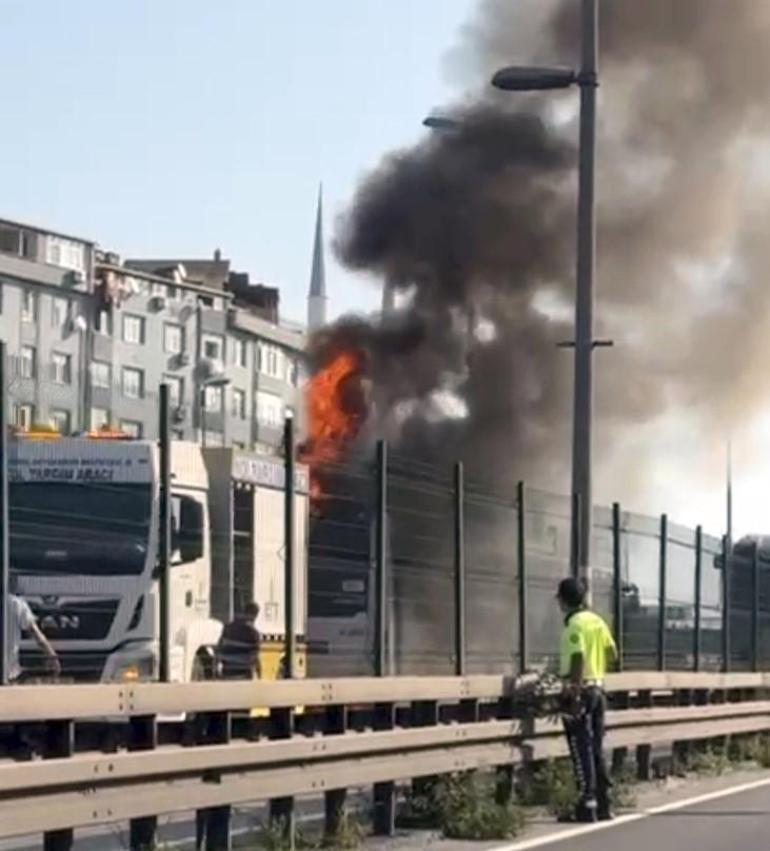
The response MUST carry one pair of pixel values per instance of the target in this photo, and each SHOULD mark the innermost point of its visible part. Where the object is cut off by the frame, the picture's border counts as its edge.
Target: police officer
(587, 651)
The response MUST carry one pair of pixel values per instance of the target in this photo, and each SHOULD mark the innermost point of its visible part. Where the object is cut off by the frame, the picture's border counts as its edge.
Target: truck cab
(84, 542)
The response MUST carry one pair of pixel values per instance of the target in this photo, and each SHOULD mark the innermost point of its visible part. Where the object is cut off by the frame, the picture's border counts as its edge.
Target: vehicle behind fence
(660, 585)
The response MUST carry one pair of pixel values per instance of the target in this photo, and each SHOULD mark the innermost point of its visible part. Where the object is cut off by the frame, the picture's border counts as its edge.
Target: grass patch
(624, 788)
(706, 761)
(462, 806)
(552, 786)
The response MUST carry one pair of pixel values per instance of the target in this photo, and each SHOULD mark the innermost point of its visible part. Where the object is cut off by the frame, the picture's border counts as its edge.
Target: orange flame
(336, 407)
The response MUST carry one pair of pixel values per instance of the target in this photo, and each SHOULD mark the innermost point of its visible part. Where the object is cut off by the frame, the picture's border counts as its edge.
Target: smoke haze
(477, 223)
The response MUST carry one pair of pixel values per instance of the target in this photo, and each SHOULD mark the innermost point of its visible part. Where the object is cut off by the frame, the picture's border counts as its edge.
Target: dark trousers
(585, 735)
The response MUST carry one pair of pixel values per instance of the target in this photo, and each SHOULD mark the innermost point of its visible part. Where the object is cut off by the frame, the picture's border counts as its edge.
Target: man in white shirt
(21, 620)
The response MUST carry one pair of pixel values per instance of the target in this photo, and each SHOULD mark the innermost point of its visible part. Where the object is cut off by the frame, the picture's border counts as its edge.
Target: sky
(174, 127)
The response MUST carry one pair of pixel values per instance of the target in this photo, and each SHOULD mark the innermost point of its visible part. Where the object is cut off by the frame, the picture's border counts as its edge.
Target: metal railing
(349, 733)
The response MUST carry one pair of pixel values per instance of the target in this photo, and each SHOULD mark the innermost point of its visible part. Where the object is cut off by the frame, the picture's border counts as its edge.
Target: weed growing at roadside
(552, 786)
(462, 806)
(469, 810)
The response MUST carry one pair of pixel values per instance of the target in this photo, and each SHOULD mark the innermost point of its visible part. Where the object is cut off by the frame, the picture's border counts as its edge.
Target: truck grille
(74, 620)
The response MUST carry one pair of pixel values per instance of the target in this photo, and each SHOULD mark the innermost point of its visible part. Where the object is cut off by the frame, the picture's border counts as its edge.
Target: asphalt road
(734, 822)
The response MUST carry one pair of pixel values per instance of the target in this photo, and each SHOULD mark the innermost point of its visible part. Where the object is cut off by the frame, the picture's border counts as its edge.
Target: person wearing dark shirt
(238, 647)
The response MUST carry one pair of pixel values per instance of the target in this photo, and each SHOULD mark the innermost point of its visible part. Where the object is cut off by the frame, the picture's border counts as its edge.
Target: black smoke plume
(477, 225)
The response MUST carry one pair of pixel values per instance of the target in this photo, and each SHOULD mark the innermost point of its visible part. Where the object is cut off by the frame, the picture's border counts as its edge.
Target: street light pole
(588, 80)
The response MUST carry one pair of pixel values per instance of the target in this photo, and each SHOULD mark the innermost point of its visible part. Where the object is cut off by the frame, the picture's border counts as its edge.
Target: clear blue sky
(172, 127)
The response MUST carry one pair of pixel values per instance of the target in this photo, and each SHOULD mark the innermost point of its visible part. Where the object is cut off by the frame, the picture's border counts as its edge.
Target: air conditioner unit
(158, 302)
(179, 414)
(73, 278)
(183, 359)
(77, 323)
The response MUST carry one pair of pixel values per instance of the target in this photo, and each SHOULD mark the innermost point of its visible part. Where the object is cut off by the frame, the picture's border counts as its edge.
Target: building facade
(90, 339)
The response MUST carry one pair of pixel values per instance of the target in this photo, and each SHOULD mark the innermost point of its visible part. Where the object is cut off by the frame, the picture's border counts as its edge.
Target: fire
(336, 408)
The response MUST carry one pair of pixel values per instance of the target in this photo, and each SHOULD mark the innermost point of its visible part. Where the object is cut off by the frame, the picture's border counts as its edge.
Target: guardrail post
(755, 608)
(288, 544)
(216, 820)
(662, 593)
(384, 814)
(59, 742)
(4, 516)
(576, 543)
(521, 558)
(459, 572)
(334, 799)
(282, 809)
(726, 649)
(617, 583)
(381, 545)
(696, 638)
(143, 736)
(164, 536)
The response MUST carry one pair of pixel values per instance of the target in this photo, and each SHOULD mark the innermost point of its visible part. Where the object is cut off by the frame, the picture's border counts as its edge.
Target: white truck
(84, 543)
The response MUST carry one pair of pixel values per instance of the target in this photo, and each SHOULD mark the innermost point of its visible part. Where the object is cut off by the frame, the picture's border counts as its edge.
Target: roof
(47, 231)
(211, 273)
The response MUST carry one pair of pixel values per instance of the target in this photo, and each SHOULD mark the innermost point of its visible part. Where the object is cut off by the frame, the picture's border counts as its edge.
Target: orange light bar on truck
(41, 431)
(108, 433)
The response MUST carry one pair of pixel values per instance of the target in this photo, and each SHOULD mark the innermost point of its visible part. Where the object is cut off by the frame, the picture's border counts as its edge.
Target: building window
(239, 352)
(293, 372)
(28, 306)
(133, 383)
(238, 404)
(133, 329)
(25, 416)
(100, 418)
(61, 420)
(100, 374)
(173, 339)
(132, 428)
(62, 368)
(65, 253)
(175, 389)
(269, 409)
(213, 399)
(28, 362)
(213, 345)
(270, 360)
(60, 308)
(103, 323)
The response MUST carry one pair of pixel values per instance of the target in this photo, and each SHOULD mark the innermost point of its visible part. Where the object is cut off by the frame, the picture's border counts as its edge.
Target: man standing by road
(238, 648)
(21, 620)
(586, 652)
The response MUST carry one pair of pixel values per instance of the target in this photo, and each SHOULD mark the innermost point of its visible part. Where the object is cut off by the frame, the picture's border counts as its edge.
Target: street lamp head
(440, 122)
(523, 78)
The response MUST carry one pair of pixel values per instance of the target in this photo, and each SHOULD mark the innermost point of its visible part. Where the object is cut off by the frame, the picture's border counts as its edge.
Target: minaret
(316, 302)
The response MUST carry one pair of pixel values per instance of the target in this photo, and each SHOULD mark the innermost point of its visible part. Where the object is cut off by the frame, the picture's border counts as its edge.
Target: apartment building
(91, 338)
(45, 320)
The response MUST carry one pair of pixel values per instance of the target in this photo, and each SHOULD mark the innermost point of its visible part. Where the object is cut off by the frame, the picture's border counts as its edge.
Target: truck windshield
(80, 529)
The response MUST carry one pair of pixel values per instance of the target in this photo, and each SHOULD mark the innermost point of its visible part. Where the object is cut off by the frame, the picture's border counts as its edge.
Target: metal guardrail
(411, 728)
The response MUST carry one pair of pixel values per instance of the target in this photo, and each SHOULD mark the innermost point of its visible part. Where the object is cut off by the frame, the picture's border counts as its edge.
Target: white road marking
(572, 833)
